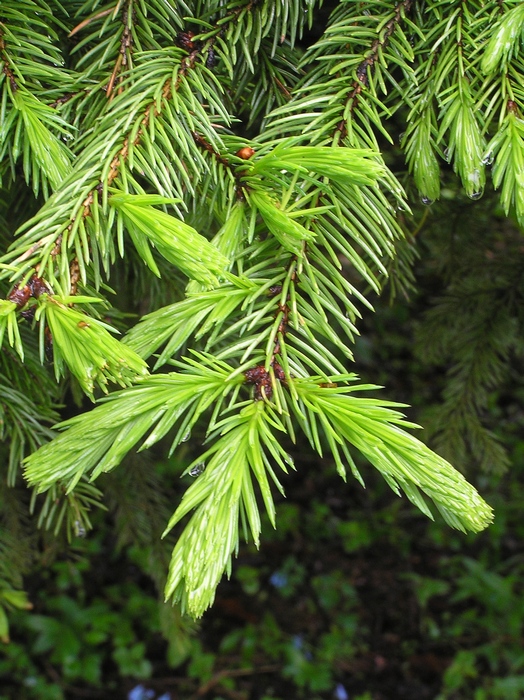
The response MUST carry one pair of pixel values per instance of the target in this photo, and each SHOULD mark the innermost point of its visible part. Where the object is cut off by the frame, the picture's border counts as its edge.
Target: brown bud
(279, 372)
(20, 295)
(184, 40)
(245, 153)
(256, 374)
(274, 290)
(38, 286)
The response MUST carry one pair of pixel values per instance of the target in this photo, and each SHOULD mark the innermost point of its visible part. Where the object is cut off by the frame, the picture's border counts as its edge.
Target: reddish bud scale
(262, 380)
(38, 286)
(184, 40)
(20, 296)
(34, 288)
(274, 290)
(245, 153)
(279, 372)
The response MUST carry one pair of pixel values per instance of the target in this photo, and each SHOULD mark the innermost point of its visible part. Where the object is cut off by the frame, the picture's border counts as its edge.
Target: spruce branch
(245, 442)
(367, 66)
(471, 331)
(404, 461)
(179, 243)
(115, 427)
(504, 41)
(322, 105)
(506, 151)
(221, 495)
(67, 219)
(24, 425)
(273, 244)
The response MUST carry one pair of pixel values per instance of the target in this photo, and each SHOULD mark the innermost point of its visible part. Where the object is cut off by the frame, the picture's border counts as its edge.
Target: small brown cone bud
(245, 153)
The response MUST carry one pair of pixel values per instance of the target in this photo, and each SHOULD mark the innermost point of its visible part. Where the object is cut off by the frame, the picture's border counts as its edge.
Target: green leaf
(15, 599)
(4, 626)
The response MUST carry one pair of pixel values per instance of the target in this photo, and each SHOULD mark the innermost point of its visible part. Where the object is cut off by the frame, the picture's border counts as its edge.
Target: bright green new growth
(82, 343)
(179, 243)
(245, 445)
(272, 244)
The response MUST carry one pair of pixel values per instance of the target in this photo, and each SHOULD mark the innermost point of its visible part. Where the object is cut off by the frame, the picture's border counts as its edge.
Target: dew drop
(476, 195)
(401, 137)
(80, 530)
(474, 181)
(426, 200)
(447, 155)
(186, 436)
(488, 158)
(198, 469)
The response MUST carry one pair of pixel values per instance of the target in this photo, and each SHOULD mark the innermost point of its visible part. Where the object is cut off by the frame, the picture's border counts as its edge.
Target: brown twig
(6, 70)
(259, 375)
(368, 64)
(74, 275)
(126, 45)
(206, 146)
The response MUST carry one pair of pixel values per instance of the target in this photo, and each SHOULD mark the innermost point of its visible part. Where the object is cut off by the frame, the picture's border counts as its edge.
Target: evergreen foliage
(473, 329)
(205, 144)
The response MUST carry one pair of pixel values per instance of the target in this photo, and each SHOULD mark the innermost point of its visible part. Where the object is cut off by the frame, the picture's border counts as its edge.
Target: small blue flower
(278, 579)
(298, 641)
(341, 693)
(139, 692)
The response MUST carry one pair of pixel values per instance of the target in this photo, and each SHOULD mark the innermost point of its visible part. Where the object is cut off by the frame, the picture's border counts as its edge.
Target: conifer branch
(274, 243)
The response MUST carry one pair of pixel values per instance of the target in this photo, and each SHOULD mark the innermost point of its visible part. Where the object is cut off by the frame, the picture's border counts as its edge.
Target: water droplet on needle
(198, 469)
